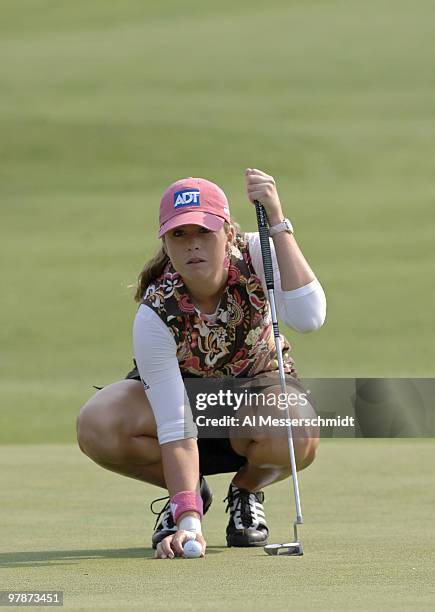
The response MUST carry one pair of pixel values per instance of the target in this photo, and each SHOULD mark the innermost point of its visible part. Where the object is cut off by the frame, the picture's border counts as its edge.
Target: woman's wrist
(275, 218)
(190, 521)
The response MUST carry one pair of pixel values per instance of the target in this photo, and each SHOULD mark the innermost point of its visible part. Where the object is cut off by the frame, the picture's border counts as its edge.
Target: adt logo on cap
(186, 197)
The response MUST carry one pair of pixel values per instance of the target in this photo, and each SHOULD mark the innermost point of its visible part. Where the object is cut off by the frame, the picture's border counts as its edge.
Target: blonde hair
(155, 266)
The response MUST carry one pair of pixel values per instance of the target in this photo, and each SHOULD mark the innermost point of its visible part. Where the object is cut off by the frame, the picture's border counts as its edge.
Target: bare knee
(97, 429)
(308, 454)
(109, 419)
(268, 446)
(274, 453)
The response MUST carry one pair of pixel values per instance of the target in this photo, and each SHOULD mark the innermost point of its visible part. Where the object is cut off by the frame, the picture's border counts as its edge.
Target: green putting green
(368, 535)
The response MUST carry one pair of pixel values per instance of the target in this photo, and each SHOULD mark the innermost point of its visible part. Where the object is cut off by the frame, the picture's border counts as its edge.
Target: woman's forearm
(180, 461)
(293, 267)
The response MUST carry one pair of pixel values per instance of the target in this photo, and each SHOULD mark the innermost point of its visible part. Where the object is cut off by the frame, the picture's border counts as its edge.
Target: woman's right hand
(172, 545)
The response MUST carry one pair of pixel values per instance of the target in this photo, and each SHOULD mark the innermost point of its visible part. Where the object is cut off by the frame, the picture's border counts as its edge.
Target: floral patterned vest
(240, 343)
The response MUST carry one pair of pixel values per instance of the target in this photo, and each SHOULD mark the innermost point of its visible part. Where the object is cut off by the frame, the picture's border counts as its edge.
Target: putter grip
(263, 230)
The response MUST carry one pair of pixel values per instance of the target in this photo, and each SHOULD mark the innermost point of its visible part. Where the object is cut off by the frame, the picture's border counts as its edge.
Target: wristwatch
(284, 226)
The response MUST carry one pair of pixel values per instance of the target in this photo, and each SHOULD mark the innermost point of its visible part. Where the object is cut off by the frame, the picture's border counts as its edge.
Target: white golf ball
(192, 549)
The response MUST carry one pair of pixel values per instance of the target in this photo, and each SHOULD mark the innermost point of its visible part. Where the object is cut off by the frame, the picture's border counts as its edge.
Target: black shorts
(216, 455)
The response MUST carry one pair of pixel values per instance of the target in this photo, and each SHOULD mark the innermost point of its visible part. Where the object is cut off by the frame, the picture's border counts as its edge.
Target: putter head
(293, 549)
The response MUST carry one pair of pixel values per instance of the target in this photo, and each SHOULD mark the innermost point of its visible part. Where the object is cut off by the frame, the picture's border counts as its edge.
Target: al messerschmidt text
(269, 421)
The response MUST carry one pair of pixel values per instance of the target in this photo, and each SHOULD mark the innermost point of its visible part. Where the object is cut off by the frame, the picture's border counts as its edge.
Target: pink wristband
(186, 501)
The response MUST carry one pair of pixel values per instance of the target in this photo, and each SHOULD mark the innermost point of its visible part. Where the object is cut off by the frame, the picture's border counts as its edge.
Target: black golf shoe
(167, 525)
(247, 525)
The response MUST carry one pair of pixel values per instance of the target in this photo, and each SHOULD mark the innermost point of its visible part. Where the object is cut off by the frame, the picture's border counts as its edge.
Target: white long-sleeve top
(155, 350)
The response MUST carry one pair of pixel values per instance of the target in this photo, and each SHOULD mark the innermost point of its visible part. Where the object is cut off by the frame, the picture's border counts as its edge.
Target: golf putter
(289, 548)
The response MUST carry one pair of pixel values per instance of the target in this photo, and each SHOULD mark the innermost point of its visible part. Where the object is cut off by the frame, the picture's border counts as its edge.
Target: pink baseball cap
(196, 201)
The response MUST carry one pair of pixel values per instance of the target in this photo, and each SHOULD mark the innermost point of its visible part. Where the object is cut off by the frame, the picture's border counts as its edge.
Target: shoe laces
(162, 511)
(240, 500)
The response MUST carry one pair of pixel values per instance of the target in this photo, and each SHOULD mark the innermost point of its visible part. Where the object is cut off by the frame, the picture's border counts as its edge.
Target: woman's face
(198, 253)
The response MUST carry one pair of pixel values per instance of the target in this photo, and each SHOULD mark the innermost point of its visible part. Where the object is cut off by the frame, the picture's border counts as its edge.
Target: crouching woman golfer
(204, 313)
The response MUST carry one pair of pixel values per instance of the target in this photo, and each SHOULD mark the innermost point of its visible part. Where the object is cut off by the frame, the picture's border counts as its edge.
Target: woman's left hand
(261, 186)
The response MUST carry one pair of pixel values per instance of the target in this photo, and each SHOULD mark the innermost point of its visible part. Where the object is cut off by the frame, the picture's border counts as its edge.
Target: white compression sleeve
(155, 353)
(303, 309)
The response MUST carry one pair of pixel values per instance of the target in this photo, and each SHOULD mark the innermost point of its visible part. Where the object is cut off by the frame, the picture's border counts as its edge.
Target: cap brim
(193, 217)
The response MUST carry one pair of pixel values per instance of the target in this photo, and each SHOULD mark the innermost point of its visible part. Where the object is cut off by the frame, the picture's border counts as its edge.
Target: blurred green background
(104, 103)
